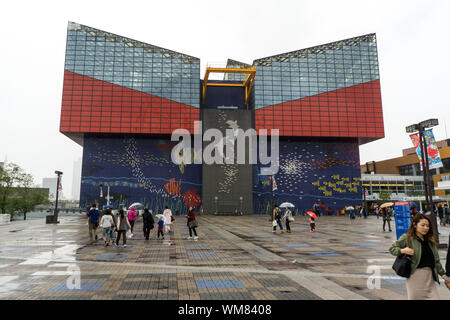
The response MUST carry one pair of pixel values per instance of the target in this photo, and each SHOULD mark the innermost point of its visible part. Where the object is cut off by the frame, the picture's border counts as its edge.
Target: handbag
(274, 223)
(402, 264)
(172, 219)
(291, 219)
(192, 224)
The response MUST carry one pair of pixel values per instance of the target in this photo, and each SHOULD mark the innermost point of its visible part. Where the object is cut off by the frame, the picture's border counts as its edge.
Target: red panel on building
(90, 106)
(349, 112)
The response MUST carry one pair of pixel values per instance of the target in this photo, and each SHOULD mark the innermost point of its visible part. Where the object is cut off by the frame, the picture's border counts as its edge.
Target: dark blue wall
(137, 170)
(224, 96)
(309, 171)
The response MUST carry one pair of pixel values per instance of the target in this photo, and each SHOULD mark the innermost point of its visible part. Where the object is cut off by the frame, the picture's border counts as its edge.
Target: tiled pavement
(235, 258)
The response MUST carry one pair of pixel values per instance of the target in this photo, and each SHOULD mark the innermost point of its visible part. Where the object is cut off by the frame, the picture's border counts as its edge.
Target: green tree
(10, 178)
(16, 193)
(384, 196)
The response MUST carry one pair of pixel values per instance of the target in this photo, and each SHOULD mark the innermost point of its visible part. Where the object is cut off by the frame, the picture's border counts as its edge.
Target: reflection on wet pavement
(234, 258)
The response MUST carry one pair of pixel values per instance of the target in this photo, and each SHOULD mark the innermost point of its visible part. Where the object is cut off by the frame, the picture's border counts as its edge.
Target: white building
(50, 183)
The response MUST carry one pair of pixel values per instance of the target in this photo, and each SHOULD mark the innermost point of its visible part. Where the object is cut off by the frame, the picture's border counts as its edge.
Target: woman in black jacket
(149, 223)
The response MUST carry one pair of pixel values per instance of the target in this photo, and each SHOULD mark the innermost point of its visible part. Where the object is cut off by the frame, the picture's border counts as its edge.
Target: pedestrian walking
(312, 224)
(113, 233)
(440, 210)
(316, 208)
(167, 214)
(446, 214)
(425, 262)
(149, 223)
(192, 223)
(123, 225)
(352, 216)
(132, 214)
(288, 218)
(93, 216)
(276, 219)
(161, 228)
(377, 212)
(386, 219)
(107, 222)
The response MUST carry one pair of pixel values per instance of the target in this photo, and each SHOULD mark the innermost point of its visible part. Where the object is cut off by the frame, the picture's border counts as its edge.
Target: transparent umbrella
(287, 205)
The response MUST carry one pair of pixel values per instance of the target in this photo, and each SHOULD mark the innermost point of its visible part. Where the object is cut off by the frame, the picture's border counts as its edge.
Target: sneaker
(274, 231)
(282, 231)
(195, 238)
(124, 245)
(311, 231)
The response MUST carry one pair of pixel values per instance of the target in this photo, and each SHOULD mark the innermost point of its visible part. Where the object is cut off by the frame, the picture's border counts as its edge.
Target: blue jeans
(279, 223)
(107, 233)
(132, 225)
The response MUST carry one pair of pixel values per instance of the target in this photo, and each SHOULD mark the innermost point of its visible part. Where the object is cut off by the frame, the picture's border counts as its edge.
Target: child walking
(161, 228)
(312, 224)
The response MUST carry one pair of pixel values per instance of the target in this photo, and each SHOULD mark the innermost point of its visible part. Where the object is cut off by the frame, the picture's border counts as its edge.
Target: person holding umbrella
(312, 220)
(287, 215)
(386, 215)
(351, 213)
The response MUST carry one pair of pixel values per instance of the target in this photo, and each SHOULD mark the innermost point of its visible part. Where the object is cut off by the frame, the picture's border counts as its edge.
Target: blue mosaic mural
(138, 170)
(326, 172)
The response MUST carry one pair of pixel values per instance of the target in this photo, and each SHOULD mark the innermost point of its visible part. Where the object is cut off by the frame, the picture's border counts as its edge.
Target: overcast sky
(413, 52)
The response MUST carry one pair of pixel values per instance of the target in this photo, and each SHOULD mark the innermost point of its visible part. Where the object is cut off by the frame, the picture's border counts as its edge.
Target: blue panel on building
(311, 171)
(137, 170)
(224, 97)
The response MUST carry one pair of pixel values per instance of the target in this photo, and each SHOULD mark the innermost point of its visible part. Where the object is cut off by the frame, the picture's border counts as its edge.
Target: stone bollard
(5, 218)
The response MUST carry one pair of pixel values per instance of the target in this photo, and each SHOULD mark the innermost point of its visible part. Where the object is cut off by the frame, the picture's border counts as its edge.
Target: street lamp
(420, 128)
(55, 214)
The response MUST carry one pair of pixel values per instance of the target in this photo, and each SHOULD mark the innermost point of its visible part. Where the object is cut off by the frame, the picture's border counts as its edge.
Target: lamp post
(420, 128)
(55, 214)
(364, 201)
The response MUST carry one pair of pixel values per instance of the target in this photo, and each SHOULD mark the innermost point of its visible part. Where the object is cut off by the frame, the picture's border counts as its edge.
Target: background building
(408, 165)
(123, 98)
(50, 184)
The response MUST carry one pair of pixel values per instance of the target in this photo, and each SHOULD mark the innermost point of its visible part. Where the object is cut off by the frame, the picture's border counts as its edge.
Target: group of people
(278, 217)
(122, 226)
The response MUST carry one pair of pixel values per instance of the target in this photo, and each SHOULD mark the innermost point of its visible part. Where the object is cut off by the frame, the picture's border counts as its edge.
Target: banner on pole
(416, 143)
(432, 149)
(274, 184)
(59, 183)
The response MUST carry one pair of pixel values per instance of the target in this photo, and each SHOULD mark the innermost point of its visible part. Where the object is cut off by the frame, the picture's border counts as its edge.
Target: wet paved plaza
(235, 258)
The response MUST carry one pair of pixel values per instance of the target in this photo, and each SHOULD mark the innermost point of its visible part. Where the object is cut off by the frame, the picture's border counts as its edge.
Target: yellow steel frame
(247, 83)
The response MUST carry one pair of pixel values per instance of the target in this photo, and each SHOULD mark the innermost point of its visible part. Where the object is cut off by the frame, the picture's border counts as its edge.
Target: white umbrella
(387, 204)
(287, 205)
(350, 208)
(159, 216)
(137, 205)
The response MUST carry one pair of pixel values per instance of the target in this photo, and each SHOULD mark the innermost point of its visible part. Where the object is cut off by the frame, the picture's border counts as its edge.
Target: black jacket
(148, 219)
(447, 262)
